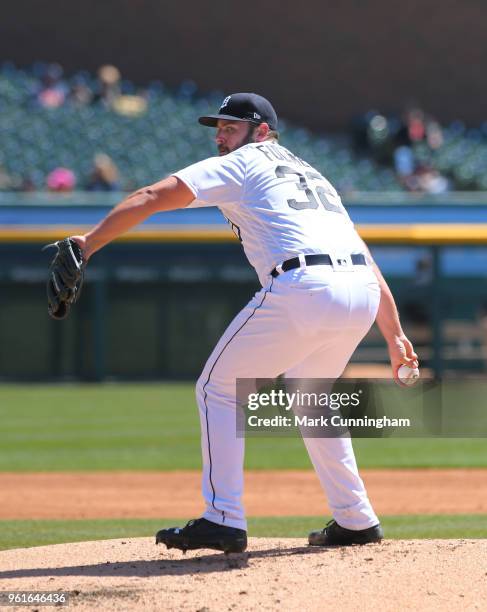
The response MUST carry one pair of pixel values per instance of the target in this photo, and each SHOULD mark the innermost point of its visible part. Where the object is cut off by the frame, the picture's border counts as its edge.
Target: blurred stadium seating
(463, 156)
(164, 136)
(34, 139)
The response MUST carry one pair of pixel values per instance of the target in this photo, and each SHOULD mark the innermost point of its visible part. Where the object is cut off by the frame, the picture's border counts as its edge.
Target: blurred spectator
(431, 181)
(104, 176)
(131, 106)
(80, 94)
(405, 143)
(404, 162)
(412, 128)
(424, 271)
(108, 86)
(7, 182)
(434, 134)
(61, 180)
(52, 93)
(415, 127)
(371, 132)
(379, 138)
(110, 93)
(426, 179)
(27, 183)
(415, 307)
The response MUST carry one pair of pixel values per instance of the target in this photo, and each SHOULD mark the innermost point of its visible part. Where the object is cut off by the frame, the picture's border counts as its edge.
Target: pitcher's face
(231, 135)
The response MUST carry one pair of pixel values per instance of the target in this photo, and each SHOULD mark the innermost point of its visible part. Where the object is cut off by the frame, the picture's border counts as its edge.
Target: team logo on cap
(225, 102)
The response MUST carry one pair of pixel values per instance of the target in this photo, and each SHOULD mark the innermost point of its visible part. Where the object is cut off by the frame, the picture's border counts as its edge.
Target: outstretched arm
(168, 194)
(400, 348)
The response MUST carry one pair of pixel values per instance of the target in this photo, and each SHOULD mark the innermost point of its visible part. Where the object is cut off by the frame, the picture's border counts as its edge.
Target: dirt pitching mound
(274, 574)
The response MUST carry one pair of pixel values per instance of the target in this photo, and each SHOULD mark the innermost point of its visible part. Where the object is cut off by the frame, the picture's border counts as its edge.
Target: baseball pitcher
(321, 292)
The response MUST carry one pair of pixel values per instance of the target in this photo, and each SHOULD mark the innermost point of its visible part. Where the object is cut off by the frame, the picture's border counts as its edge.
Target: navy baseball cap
(244, 107)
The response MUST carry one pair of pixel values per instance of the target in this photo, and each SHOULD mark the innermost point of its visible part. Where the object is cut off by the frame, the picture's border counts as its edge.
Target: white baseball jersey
(281, 207)
(276, 203)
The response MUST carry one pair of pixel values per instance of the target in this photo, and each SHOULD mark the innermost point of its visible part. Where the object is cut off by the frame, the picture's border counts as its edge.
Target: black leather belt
(357, 259)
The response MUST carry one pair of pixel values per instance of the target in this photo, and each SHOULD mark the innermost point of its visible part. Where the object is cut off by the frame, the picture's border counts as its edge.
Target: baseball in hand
(408, 376)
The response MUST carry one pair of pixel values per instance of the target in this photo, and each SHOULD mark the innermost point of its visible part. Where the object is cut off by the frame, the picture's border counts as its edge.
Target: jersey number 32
(319, 186)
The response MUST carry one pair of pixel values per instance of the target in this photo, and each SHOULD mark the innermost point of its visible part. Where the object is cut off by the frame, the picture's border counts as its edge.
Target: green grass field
(20, 534)
(156, 427)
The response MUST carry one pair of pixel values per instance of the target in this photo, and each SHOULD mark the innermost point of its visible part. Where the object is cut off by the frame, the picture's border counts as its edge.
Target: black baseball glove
(66, 274)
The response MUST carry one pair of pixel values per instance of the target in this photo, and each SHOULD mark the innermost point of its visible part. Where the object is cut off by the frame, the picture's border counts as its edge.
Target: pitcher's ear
(262, 131)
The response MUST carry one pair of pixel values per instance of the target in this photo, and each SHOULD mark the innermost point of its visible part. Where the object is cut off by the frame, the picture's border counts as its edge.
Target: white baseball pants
(306, 323)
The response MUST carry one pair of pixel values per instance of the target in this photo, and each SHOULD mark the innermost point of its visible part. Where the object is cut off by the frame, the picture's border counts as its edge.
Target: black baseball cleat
(334, 535)
(201, 533)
